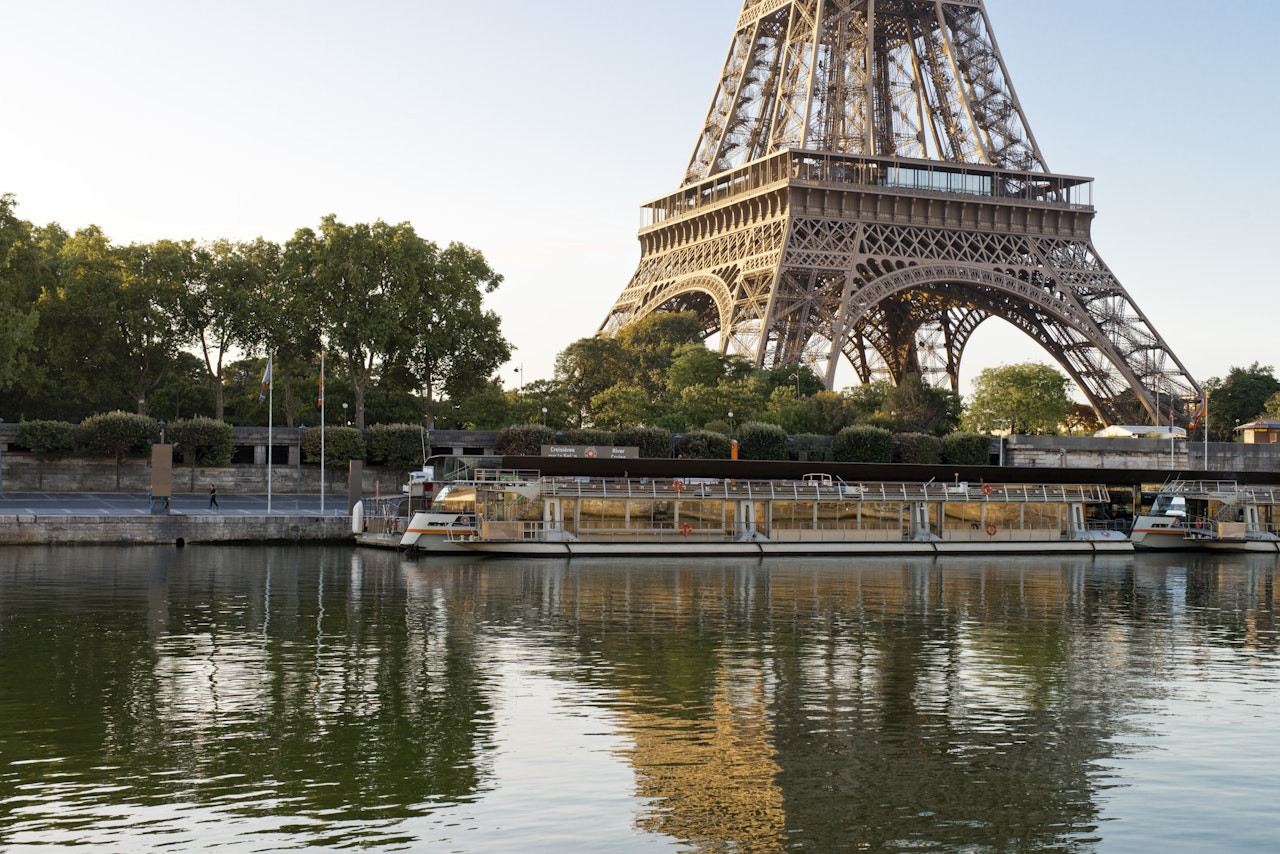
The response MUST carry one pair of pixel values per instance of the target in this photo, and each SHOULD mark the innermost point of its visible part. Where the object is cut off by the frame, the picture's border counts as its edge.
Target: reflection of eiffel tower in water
(866, 185)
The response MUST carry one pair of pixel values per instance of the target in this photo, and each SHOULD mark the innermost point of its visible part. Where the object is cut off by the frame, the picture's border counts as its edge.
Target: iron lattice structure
(866, 185)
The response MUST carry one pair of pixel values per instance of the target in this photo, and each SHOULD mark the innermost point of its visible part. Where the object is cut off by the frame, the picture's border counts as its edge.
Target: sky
(534, 132)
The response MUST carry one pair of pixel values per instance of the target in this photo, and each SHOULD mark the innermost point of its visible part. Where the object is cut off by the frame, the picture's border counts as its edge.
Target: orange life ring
(991, 529)
(677, 485)
(685, 529)
(986, 489)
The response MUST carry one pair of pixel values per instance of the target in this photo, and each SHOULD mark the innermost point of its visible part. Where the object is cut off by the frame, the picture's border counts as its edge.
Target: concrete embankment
(171, 530)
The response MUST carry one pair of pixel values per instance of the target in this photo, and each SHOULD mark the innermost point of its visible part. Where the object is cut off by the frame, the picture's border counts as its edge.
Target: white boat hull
(539, 548)
(436, 533)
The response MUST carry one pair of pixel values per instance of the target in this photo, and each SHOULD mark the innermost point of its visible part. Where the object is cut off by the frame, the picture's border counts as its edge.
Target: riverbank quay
(126, 519)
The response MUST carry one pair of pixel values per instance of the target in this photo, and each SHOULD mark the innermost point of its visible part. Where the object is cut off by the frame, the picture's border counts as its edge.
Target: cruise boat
(1213, 515)
(815, 515)
(433, 515)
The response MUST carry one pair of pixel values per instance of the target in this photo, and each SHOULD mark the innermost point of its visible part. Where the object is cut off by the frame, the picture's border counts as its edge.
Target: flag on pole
(1201, 411)
(320, 395)
(266, 382)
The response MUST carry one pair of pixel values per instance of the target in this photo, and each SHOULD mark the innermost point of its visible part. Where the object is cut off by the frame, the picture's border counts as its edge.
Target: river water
(318, 698)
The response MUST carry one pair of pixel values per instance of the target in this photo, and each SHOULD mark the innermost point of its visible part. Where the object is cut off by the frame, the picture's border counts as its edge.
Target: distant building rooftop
(1141, 431)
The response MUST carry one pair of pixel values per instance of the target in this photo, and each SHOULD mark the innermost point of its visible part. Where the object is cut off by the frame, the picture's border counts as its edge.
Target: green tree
(78, 335)
(1031, 398)
(916, 407)
(1240, 396)
(586, 368)
(694, 365)
(487, 408)
(651, 344)
(355, 277)
(457, 344)
(21, 270)
(623, 404)
(221, 303)
(146, 325)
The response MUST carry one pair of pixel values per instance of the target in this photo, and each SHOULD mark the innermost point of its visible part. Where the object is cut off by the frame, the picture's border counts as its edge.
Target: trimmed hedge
(397, 446)
(760, 441)
(207, 441)
(48, 440)
(584, 436)
(815, 447)
(703, 445)
(966, 449)
(118, 434)
(653, 442)
(523, 440)
(341, 445)
(918, 448)
(862, 443)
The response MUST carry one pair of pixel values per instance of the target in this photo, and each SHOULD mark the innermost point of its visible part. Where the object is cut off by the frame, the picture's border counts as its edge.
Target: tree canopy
(1022, 398)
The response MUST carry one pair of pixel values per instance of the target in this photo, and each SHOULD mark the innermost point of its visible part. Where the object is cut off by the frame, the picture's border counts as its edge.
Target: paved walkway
(135, 504)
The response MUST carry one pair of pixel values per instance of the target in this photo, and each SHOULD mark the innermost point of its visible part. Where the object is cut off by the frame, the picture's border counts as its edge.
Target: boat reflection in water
(317, 698)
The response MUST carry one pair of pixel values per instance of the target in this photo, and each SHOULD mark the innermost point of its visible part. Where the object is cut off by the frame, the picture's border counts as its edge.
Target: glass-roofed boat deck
(812, 509)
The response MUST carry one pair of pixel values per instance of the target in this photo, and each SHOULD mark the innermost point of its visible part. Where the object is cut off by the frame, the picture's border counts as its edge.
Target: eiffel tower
(866, 185)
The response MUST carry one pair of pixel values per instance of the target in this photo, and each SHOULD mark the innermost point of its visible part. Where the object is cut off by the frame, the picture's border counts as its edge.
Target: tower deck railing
(929, 177)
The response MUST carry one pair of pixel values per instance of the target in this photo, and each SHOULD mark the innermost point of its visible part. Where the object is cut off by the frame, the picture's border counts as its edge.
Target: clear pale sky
(534, 132)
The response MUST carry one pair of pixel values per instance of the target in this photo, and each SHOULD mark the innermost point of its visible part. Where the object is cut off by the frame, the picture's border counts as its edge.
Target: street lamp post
(731, 423)
(544, 416)
(1003, 433)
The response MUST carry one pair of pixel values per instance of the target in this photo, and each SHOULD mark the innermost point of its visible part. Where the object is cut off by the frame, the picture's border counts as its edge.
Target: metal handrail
(821, 491)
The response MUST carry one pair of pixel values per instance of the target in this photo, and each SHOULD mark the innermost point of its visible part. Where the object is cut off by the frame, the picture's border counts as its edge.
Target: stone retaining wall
(170, 530)
(23, 473)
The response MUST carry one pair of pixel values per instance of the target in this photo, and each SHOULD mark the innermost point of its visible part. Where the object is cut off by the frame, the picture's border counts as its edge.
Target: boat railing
(818, 490)
(381, 514)
(1203, 488)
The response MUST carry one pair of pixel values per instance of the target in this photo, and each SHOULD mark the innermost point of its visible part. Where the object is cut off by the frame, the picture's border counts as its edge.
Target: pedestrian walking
(213, 497)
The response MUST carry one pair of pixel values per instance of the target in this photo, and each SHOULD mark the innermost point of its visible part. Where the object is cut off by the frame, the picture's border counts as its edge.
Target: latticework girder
(866, 186)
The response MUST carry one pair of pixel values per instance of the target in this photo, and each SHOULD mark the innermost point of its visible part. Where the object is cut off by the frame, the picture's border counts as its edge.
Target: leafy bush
(862, 443)
(703, 445)
(585, 436)
(966, 449)
(918, 448)
(654, 442)
(48, 440)
(814, 447)
(397, 446)
(341, 444)
(117, 434)
(207, 441)
(523, 440)
(760, 441)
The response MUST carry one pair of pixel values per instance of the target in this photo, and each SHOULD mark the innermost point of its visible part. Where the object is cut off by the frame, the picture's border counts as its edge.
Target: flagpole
(271, 408)
(322, 433)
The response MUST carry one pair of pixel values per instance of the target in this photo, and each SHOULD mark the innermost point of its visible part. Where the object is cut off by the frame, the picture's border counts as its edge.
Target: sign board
(587, 452)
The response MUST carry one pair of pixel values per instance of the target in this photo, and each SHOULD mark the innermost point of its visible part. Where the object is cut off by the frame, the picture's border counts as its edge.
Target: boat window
(1169, 505)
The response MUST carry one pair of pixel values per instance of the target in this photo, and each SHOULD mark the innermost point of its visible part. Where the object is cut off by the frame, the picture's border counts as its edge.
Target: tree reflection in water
(344, 698)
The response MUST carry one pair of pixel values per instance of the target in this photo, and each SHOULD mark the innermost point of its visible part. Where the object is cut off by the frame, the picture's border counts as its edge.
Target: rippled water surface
(294, 698)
